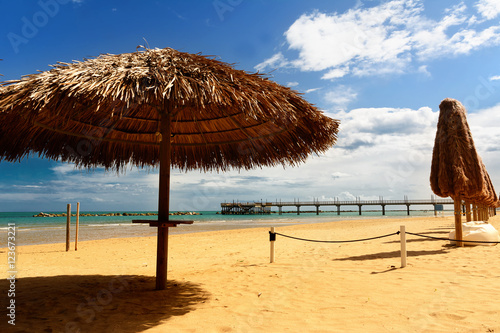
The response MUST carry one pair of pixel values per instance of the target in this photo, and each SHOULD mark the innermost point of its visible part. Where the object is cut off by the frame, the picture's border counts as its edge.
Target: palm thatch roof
(457, 170)
(106, 111)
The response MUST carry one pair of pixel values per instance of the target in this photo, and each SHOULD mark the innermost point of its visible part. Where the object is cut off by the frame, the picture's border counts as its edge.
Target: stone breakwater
(42, 214)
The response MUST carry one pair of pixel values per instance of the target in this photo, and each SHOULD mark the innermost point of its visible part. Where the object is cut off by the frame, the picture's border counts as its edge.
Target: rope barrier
(451, 240)
(402, 232)
(272, 237)
(322, 241)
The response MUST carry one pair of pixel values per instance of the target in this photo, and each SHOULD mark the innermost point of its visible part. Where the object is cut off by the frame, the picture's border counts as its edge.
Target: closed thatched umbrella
(456, 171)
(160, 108)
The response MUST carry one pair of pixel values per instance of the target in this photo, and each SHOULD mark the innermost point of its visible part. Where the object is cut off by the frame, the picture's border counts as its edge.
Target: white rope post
(403, 245)
(272, 240)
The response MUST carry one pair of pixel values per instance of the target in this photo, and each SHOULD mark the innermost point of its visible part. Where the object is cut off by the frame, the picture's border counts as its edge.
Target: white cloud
(292, 84)
(495, 78)
(423, 69)
(384, 39)
(346, 196)
(380, 151)
(312, 90)
(485, 128)
(276, 61)
(335, 73)
(489, 9)
(27, 186)
(63, 169)
(340, 96)
(385, 127)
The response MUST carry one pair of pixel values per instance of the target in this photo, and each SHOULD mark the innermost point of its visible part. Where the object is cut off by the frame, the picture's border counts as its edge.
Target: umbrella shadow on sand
(99, 303)
(392, 254)
(438, 236)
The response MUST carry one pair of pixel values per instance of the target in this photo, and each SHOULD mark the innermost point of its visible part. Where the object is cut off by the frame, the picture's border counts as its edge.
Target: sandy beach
(222, 281)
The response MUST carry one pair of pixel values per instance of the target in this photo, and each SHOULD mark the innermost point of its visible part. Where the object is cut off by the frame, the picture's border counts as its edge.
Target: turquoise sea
(42, 230)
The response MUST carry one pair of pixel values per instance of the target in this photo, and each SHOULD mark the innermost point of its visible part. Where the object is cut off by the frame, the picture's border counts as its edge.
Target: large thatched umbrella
(160, 108)
(457, 170)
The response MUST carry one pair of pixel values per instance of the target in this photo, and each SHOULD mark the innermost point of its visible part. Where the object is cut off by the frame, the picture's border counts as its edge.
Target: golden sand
(223, 282)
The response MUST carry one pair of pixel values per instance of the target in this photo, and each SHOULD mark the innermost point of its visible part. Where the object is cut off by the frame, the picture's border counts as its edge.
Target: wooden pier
(241, 208)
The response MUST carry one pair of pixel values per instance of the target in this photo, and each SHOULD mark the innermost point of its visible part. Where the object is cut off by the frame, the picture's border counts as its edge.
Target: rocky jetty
(42, 214)
(185, 213)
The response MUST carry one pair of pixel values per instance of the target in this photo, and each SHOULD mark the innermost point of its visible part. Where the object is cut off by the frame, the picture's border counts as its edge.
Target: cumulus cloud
(340, 97)
(380, 151)
(336, 73)
(98, 190)
(488, 9)
(386, 127)
(384, 39)
(485, 128)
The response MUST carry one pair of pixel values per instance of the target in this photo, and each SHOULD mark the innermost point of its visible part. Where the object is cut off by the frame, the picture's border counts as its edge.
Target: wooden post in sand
(403, 245)
(68, 222)
(467, 211)
(77, 224)
(458, 221)
(272, 244)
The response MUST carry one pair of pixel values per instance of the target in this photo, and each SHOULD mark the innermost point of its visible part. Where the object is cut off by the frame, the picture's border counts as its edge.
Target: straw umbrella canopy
(457, 170)
(489, 197)
(159, 107)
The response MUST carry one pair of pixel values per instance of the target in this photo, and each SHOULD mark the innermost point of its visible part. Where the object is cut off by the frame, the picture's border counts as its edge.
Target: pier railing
(262, 207)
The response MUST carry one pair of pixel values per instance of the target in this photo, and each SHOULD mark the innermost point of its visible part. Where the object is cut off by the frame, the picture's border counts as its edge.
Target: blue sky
(380, 67)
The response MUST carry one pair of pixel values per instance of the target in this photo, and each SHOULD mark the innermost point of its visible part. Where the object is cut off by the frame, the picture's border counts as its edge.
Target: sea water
(30, 230)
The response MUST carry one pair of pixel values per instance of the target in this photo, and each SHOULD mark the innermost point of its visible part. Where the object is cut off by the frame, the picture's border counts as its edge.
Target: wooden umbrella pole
(458, 220)
(77, 224)
(163, 202)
